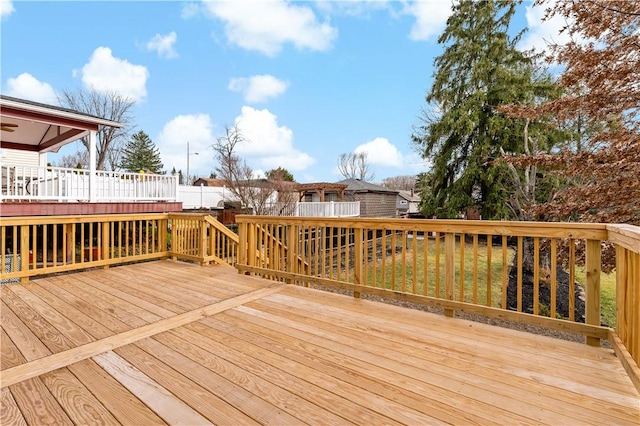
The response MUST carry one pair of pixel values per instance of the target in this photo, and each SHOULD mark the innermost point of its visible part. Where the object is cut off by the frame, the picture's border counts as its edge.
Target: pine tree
(462, 131)
(140, 153)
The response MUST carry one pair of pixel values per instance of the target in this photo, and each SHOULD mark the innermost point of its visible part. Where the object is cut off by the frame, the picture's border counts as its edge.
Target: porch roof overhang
(44, 128)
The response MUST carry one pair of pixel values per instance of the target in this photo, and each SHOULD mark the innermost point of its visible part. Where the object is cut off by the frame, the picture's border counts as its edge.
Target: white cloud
(265, 26)
(543, 33)
(190, 10)
(381, 152)
(6, 8)
(258, 88)
(431, 18)
(106, 73)
(360, 8)
(197, 131)
(269, 144)
(26, 86)
(164, 45)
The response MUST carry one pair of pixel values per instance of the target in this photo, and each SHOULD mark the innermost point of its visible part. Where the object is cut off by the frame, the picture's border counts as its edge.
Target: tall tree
(602, 94)
(280, 174)
(141, 153)
(461, 131)
(110, 106)
(355, 166)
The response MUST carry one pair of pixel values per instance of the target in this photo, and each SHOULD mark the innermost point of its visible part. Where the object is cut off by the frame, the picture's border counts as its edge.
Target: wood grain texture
(37, 405)
(79, 404)
(161, 401)
(9, 412)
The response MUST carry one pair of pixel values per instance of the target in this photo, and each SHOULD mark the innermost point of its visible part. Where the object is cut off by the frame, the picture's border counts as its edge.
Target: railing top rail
(46, 220)
(530, 229)
(627, 236)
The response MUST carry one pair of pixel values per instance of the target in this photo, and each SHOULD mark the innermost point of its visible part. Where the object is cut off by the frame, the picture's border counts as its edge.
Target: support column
(93, 178)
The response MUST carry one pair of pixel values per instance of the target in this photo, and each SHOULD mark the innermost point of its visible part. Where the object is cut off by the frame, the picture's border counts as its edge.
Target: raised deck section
(170, 342)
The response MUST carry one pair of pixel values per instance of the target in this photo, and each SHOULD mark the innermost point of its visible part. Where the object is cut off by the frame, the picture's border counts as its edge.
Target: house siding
(23, 158)
(374, 204)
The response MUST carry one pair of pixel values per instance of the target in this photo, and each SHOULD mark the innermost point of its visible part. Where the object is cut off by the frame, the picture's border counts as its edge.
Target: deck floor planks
(30, 346)
(284, 357)
(140, 308)
(79, 404)
(61, 321)
(268, 391)
(82, 293)
(357, 357)
(9, 412)
(88, 316)
(342, 397)
(170, 408)
(171, 295)
(127, 285)
(207, 403)
(334, 368)
(253, 406)
(37, 404)
(404, 335)
(304, 386)
(121, 403)
(497, 369)
(558, 351)
(10, 356)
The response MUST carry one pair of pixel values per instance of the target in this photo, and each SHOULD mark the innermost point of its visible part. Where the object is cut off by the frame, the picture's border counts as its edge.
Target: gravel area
(471, 317)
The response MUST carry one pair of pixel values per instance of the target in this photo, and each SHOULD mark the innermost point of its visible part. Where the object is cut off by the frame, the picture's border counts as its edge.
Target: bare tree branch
(110, 106)
(355, 166)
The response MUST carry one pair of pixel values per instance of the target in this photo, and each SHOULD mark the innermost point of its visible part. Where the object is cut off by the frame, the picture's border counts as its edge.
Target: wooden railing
(39, 245)
(626, 337)
(203, 239)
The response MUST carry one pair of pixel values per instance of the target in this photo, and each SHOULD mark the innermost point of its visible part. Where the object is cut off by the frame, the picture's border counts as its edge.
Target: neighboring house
(29, 187)
(375, 200)
(408, 203)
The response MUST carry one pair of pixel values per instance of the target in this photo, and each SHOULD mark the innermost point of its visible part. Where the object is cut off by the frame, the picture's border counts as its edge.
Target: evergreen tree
(140, 153)
(462, 131)
(280, 174)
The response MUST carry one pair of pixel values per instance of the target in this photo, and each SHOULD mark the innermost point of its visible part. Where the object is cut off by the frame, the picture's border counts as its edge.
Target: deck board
(170, 342)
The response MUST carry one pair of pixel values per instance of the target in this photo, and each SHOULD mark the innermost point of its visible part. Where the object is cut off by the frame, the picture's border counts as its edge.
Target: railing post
(106, 243)
(449, 268)
(357, 257)
(174, 238)
(251, 240)
(163, 227)
(203, 242)
(24, 251)
(242, 244)
(592, 266)
(292, 252)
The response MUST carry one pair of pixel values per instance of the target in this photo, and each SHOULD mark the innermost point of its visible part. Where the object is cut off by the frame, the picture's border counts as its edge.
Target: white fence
(61, 184)
(202, 197)
(315, 209)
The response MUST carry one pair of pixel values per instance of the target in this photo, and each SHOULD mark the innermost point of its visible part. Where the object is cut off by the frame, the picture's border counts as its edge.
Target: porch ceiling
(43, 128)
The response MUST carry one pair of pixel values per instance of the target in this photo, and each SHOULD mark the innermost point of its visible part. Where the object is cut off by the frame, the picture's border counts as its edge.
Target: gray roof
(356, 185)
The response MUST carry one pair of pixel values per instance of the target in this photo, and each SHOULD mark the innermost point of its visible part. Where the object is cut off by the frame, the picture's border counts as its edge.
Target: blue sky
(307, 81)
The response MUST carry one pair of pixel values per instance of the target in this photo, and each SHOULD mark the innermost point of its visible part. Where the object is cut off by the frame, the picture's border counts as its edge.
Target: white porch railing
(61, 184)
(316, 209)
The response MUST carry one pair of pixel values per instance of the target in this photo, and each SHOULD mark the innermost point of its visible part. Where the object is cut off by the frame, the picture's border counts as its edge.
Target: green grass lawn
(476, 283)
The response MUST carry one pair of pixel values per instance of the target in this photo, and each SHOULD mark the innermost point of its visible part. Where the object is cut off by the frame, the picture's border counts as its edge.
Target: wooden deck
(173, 343)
